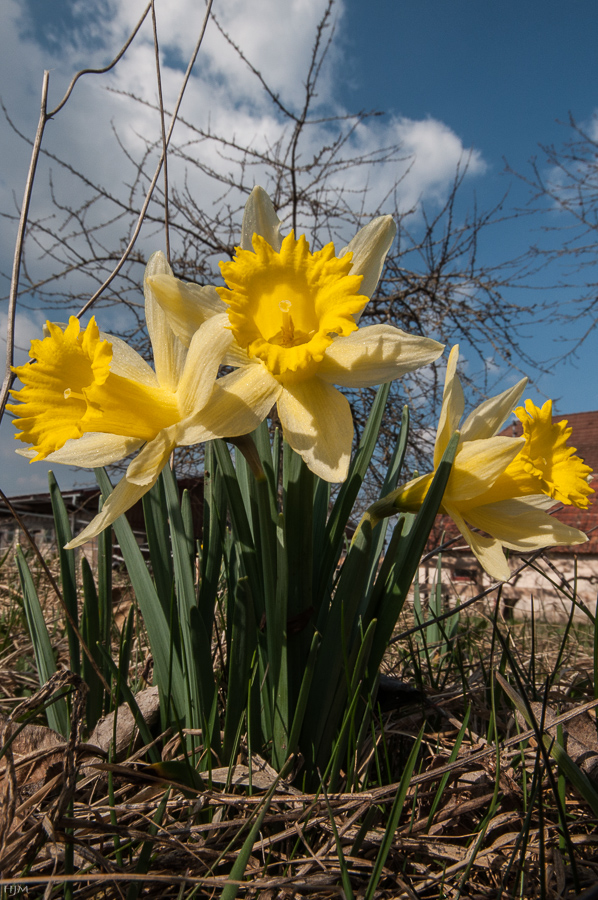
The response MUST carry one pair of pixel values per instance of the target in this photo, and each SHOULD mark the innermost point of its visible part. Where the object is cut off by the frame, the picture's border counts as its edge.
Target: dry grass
(479, 820)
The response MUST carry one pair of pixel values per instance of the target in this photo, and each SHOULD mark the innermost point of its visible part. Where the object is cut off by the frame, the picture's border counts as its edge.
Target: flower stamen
(69, 394)
(288, 326)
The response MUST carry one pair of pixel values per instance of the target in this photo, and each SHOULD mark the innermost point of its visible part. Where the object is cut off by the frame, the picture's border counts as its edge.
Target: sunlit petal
(239, 402)
(489, 417)
(317, 423)
(91, 451)
(122, 498)
(488, 550)
(169, 352)
(260, 218)
(376, 354)
(127, 363)
(187, 306)
(208, 347)
(369, 248)
(477, 466)
(518, 525)
(236, 356)
(148, 464)
(453, 404)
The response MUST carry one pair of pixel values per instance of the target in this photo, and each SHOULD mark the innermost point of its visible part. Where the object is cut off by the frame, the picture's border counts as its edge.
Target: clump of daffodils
(287, 322)
(502, 486)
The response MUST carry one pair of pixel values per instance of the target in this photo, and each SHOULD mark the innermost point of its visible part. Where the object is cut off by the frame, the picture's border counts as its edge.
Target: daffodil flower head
(70, 391)
(547, 464)
(89, 399)
(294, 319)
(502, 485)
(285, 307)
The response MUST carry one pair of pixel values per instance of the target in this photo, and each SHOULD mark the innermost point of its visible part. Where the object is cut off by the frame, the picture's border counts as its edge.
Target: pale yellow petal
(236, 356)
(317, 423)
(208, 347)
(169, 352)
(239, 402)
(453, 404)
(260, 218)
(369, 248)
(487, 550)
(374, 355)
(147, 465)
(91, 451)
(187, 306)
(127, 363)
(477, 466)
(122, 498)
(520, 525)
(490, 416)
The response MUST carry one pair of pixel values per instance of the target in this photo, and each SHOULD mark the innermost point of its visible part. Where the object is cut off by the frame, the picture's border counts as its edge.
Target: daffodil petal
(169, 352)
(520, 525)
(91, 450)
(487, 550)
(369, 248)
(374, 355)
(478, 464)
(187, 306)
(317, 423)
(147, 465)
(127, 363)
(208, 347)
(260, 218)
(453, 404)
(239, 402)
(236, 356)
(122, 498)
(490, 416)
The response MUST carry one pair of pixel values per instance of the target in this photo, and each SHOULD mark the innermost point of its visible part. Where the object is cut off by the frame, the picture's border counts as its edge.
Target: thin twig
(154, 181)
(163, 128)
(16, 266)
(107, 68)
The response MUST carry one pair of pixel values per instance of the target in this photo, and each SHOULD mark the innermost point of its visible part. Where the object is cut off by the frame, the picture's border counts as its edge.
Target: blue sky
(504, 77)
(495, 78)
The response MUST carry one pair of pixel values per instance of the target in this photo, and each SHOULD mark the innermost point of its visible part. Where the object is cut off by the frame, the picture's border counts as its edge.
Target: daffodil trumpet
(293, 317)
(501, 486)
(89, 399)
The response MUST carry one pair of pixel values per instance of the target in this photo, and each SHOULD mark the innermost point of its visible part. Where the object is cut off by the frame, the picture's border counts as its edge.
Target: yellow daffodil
(89, 399)
(502, 485)
(293, 318)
